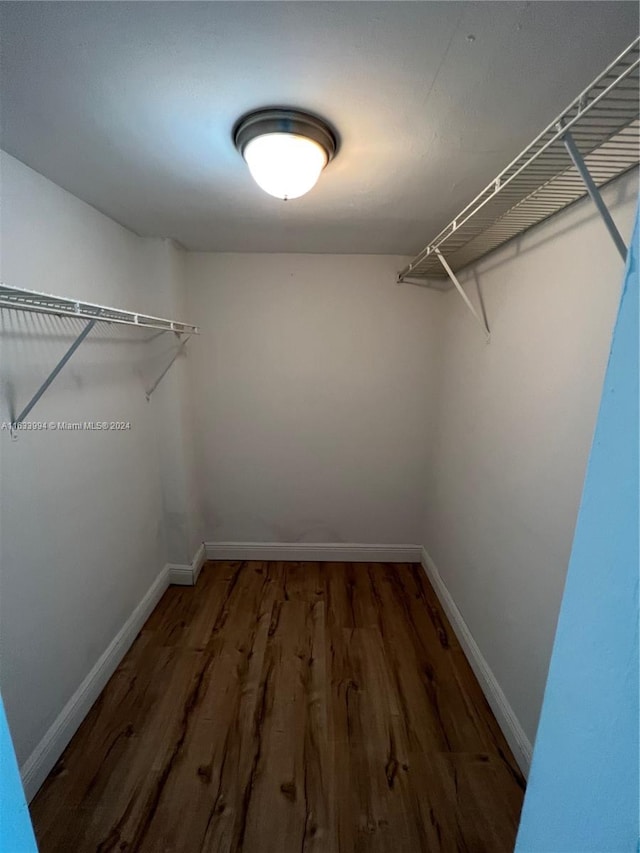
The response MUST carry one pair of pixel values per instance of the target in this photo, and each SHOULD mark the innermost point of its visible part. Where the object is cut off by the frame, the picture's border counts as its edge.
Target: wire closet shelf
(61, 306)
(19, 299)
(601, 125)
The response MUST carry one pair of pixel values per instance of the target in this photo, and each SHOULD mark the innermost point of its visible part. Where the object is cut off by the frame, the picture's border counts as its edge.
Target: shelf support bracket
(178, 351)
(594, 192)
(56, 370)
(481, 322)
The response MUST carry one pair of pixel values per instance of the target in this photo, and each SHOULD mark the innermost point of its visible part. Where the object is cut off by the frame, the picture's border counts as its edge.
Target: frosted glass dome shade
(285, 165)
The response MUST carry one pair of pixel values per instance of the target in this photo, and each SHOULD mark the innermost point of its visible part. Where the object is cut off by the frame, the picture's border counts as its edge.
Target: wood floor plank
(197, 788)
(276, 707)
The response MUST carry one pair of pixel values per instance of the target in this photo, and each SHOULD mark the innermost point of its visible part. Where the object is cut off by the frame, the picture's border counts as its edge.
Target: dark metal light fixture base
(281, 120)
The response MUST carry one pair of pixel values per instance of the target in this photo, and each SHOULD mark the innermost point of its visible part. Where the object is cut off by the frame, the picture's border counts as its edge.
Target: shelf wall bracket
(594, 192)
(481, 322)
(56, 370)
(178, 351)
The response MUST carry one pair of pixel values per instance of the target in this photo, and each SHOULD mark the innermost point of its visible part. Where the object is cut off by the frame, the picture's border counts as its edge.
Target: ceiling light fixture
(285, 150)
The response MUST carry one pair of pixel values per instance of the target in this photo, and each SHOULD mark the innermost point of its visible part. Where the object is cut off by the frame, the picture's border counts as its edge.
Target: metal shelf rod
(56, 370)
(594, 192)
(179, 350)
(482, 323)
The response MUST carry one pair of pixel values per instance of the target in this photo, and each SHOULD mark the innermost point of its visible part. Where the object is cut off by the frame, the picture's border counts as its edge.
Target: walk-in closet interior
(319, 427)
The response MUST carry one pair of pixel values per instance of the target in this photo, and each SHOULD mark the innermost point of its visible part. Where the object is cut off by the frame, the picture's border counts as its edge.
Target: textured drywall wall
(312, 384)
(514, 427)
(583, 788)
(82, 513)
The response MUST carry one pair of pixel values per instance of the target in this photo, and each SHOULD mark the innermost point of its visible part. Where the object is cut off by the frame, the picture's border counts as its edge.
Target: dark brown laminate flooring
(285, 707)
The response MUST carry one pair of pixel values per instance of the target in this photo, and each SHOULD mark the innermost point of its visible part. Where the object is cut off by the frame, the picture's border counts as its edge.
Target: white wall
(313, 385)
(514, 427)
(82, 514)
(173, 414)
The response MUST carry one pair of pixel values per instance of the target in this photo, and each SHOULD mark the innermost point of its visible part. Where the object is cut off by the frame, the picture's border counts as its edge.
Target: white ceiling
(130, 106)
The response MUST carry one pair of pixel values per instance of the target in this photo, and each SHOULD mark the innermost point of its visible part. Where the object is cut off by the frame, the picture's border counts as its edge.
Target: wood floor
(285, 707)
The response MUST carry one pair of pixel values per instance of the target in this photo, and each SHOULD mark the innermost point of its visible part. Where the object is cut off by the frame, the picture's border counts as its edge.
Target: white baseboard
(187, 575)
(41, 761)
(339, 552)
(507, 720)
(198, 562)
